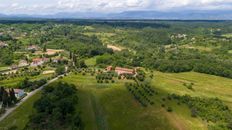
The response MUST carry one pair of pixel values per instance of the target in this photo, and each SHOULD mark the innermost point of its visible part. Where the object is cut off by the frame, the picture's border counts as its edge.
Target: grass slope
(114, 108)
(204, 85)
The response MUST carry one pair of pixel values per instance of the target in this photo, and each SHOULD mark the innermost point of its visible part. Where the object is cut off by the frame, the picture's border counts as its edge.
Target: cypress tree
(5, 99)
(12, 96)
(1, 93)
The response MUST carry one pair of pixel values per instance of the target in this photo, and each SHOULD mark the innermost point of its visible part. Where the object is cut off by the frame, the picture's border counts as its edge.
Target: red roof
(109, 68)
(123, 69)
(40, 59)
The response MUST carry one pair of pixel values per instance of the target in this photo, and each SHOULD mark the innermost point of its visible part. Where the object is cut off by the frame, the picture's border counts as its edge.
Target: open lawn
(229, 35)
(204, 85)
(20, 116)
(4, 68)
(106, 38)
(91, 61)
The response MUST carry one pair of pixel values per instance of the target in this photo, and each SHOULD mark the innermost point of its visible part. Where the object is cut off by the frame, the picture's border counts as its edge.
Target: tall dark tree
(5, 99)
(1, 92)
(44, 48)
(12, 95)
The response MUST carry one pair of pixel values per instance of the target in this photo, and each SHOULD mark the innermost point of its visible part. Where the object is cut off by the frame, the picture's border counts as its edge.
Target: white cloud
(53, 6)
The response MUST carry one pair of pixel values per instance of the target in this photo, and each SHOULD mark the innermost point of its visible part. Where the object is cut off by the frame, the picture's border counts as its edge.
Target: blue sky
(106, 6)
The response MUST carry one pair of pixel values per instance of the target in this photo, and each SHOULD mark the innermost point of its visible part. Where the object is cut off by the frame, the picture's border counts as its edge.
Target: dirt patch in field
(114, 48)
(49, 72)
(49, 52)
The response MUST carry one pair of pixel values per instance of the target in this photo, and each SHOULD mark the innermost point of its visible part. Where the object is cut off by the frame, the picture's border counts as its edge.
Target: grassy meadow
(204, 85)
(111, 106)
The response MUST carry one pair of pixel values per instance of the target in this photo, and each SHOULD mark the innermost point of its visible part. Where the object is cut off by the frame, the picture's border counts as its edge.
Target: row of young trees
(143, 93)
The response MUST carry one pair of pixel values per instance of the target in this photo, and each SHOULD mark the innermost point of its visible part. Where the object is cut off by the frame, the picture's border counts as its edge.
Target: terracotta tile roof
(123, 69)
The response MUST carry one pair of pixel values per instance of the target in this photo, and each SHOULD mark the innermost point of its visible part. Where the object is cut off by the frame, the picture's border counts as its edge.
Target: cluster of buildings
(22, 63)
(33, 48)
(179, 36)
(39, 61)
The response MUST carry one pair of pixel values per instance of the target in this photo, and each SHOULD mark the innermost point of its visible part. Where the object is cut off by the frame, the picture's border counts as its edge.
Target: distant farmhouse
(52, 52)
(23, 63)
(14, 66)
(39, 61)
(121, 71)
(58, 59)
(33, 48)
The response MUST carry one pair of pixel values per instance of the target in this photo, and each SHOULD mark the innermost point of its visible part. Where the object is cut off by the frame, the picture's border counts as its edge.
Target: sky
(107, 6)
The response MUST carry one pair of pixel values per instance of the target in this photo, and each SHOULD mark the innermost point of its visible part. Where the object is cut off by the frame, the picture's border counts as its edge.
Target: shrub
(106, 81)
(169, 109)
(193, 112)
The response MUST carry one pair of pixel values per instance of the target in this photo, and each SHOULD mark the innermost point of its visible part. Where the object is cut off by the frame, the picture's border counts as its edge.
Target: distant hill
(176, 15)
(183, 15)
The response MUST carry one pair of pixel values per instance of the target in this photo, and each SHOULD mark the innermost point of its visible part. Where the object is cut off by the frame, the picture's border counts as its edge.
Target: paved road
(10, 110)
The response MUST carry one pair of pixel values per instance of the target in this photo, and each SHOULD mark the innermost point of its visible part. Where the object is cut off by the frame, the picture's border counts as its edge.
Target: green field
(204, 85)
(91, 61)
(229, 35)
(4, 68)
(111, 106)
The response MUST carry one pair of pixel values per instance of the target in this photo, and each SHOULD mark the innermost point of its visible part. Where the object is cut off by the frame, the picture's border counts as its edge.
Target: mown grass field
(91, 61)
(111, 106)
(229, 35)
(204, 85)
(4, 68)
